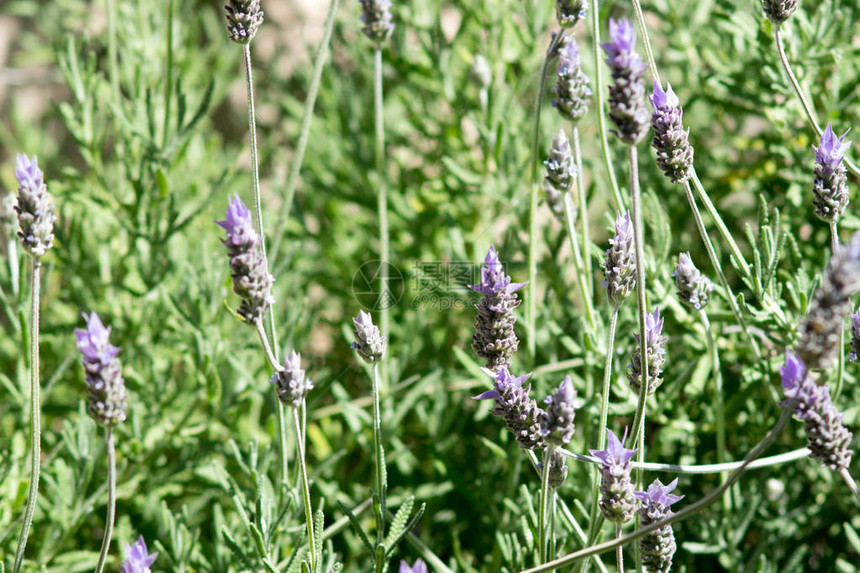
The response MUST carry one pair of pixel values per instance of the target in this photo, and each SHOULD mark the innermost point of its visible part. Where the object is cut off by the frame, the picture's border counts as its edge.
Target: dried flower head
(35, 207)
(376, 19)
(243, 19)
(560, 173)
(854, 356)
(658, 547)
(418, 567)
(106, 394)
(369, 343)
(654, 346)
(694, 289)
(137, 560)
(291, 383)
(830, 184)
(557, 421)
(627, 92)
(778, 11)
(520, 413)
(821, 328)
(829, 440)
(251, 278)
(571, 88)
(494, 339)
(619, 267)
(674, 152)
(617, 501)
(569, 12)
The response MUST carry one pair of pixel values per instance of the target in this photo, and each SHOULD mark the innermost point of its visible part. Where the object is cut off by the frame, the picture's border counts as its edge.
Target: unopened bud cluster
(243, 19)
(560, 173)
(654, 346)
(571, 89)
(521, 414)
(369, 343)
(35, 208)
(619, 266)
(107, 398)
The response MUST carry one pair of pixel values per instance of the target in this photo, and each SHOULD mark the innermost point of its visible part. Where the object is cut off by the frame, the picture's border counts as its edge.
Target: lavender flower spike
(569, 12)
(369, 343)
(376, 18)
(829, 440)
(571, 88)
(830, 185)
(106, 394)
(251, 278)
(243, 19)
(494, 339)
(854, 356)
(674, 152)
(291, 383)
(520, 413)
(617, 501)
(658, 547)
(137, 560)
(560, 173)
(557, 425)
(654, 346)
(821, 329)
(619, 267)
(694, 289)
(778, 11)
(418, 567)
(627, 92)
(35, 207)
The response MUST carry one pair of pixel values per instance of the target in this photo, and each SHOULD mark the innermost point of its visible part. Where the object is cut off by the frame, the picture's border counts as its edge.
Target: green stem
(619, 551)
(282, 418)
(305, 130)
(255, 183)
(381, 199)
(112, 52)
(646, 41)
(111, 507)
(544, 503)
(306, 491)
(846, 475)
(531, 299)
(35, 417)
(379, 458)
(601, 105)
(569, 215)
(169, 65)
(712, 255)
(840, 365)
(804, 102)
(691, 509)
(583, 216)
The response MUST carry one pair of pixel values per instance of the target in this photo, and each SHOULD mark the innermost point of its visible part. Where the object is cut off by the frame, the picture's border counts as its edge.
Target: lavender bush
(228, 457)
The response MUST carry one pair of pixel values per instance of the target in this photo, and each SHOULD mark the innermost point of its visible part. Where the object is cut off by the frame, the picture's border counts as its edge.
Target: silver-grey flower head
(106, 394)
(557, 421)
(369, 343)
(35, 208)
(480, 72)
(821, 328)
(560, 173)
(243, 19)
(778, 11)
(694, 289)
(619, 266)
(571, 90)
(376, 19)
(291, 383)
(569, 12)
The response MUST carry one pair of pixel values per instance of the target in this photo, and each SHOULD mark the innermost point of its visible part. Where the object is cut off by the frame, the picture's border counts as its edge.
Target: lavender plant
(521, 414)
(658, 547)
(830, 185)
(137, 557)
(560, 173)
(655, 351)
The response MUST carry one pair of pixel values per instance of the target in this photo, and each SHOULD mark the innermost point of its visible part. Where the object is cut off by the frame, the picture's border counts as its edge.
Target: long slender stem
(691, 509)
(379, 458)
(111, 506)
(544, 503)
(804, 102)
(840, 365)
(619, 551)
(282, 418)
(569, 216)
(306, 491)
(607, 379)
(168, 85)
(531, 299)
(646, 41)
(381, 199)
(601, 105)
(846, 475)
(255, 183)
(307, 117)
(112, 52)
(583, 215)
(35, 417)
(712, 255)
